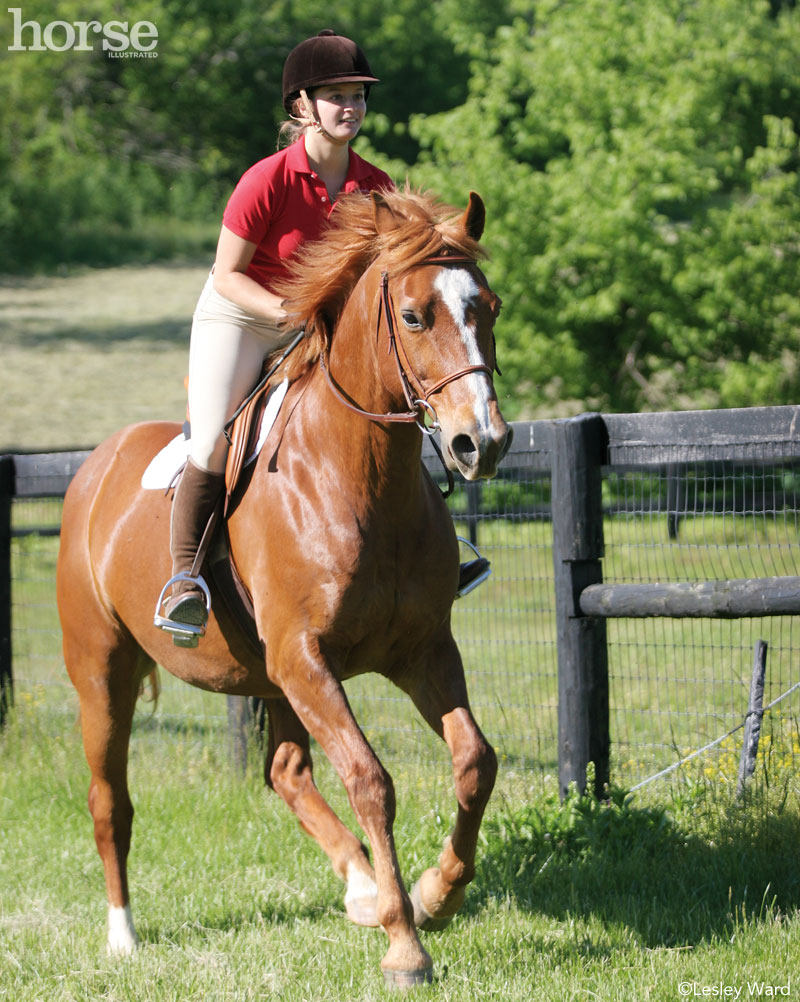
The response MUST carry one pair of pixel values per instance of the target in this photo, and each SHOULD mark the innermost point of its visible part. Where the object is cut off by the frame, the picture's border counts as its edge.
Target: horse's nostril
(463, 447)
(507, 443)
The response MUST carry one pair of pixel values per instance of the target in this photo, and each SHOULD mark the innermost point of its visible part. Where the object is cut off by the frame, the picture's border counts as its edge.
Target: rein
(418, 402)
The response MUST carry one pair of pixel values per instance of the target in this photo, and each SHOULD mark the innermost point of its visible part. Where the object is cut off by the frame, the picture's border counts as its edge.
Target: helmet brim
(315, 84)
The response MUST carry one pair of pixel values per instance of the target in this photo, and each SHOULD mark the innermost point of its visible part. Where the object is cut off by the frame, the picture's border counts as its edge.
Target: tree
(640, 167)
(99, 152)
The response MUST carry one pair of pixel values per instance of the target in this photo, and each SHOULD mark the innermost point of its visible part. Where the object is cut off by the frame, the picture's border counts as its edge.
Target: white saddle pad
(162, 469)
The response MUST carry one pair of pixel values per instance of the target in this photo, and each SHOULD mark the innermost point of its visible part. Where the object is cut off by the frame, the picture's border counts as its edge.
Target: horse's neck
(387, 453)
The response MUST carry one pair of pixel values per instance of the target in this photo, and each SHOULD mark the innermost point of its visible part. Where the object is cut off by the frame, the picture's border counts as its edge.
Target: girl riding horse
(281, 203)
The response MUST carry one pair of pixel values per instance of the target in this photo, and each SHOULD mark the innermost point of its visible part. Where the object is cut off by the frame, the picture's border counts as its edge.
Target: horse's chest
(382, 623)
(373, 586)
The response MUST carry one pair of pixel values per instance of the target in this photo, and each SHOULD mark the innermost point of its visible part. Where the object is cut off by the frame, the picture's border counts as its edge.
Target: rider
(279, 203)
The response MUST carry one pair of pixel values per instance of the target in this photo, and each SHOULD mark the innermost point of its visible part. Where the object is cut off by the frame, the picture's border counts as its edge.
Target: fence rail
(705, 599)
(583, 447)
(594, 524)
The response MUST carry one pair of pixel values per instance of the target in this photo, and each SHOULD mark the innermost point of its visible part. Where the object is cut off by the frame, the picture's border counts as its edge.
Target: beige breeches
(226, 356)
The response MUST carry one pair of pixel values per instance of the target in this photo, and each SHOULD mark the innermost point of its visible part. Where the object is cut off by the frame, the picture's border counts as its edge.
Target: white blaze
(458, 289)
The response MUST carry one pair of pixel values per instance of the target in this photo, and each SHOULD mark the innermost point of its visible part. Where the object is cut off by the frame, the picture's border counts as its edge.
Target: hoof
(422, 917)
(407, 964)
(408, 979)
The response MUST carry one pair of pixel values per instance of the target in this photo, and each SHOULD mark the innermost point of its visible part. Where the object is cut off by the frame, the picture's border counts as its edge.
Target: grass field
(678, 892)
(621, 902)
(674, 684)
(87, 353)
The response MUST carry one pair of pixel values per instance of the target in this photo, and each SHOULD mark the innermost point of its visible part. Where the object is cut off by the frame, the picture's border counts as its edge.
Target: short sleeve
(249, 209)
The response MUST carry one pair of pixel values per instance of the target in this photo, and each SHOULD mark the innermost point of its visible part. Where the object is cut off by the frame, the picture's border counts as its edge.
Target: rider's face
(340, 108)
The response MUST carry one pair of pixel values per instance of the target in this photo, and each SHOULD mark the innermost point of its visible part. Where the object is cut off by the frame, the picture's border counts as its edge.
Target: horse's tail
(150, 689)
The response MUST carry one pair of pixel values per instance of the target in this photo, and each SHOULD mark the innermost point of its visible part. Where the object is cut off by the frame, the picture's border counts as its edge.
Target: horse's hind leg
(440, 694)
(108, 679)
(289, 772)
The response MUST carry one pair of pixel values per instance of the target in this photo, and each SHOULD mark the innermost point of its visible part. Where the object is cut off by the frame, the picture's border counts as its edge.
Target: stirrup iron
(480, 561)
(183, 634)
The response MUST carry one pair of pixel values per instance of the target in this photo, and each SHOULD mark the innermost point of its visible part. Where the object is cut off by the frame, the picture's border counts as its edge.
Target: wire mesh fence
(503, 628)
(670, 514)
(678, 683)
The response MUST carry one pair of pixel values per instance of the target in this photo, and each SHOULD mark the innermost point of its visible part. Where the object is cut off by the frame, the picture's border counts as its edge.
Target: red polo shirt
(280, 203)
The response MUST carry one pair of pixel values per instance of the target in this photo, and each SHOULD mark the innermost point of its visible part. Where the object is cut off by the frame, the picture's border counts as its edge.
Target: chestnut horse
(345, 545)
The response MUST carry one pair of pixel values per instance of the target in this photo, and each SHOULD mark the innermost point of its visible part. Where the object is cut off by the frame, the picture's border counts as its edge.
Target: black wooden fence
(25, 476)
(582, 448)
(579, 472)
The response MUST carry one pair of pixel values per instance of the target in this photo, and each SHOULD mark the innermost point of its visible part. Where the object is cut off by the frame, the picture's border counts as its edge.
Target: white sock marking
(359, 885)
(122, 938)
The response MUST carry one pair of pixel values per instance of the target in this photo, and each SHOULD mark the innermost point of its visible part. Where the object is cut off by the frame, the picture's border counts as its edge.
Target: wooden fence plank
(734, 599)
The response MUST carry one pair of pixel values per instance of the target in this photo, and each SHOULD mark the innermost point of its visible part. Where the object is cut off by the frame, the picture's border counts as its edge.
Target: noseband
(418, 401)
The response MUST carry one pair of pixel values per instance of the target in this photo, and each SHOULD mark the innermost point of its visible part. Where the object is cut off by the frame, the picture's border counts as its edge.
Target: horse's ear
(385, 219)
(474, 219)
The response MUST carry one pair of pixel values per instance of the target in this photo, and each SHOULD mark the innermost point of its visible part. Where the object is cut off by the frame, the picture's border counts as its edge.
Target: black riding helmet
(325, 58)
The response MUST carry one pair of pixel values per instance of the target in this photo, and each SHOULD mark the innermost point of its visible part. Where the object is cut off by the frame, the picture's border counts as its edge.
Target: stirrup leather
(480, 561)
(182, 631)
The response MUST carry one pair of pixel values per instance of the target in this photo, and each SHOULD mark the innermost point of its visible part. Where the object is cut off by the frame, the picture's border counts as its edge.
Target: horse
(344, 544)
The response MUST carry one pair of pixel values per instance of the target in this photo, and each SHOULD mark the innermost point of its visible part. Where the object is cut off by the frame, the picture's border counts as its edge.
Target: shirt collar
(297, 160)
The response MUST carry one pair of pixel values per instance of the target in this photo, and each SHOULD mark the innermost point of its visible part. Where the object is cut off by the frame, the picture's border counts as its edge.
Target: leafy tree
(640, 166)
(97, 148)
(639, 161)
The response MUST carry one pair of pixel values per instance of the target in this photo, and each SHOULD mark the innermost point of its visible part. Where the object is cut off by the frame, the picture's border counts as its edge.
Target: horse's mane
(324, 272)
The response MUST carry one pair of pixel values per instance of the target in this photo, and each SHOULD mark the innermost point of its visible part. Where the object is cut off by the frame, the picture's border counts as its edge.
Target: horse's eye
(411, 320)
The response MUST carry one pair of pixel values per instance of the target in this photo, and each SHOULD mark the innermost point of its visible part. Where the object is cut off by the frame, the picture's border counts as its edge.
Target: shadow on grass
(233, 920)
(673, 884)
(105, 337)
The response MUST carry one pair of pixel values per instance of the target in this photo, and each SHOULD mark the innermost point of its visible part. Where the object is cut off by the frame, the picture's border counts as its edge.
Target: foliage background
(639, 161)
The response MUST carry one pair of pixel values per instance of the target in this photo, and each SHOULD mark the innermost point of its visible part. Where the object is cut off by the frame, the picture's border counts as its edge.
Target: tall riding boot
(186, 610)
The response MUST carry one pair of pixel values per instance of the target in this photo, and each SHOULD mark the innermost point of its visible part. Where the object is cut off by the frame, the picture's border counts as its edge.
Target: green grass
(674, 685)
(89, 352)
(618, 902)
(582, 901)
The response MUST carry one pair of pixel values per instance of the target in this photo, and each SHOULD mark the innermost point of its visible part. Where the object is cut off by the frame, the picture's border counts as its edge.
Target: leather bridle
(418, 401)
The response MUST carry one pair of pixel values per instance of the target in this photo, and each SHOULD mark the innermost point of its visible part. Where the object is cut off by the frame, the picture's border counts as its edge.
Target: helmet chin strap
(310, 120)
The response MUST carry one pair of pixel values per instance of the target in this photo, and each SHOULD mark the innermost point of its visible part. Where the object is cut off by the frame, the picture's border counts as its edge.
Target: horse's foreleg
(320, 703)
(441, 697)
(288, 771)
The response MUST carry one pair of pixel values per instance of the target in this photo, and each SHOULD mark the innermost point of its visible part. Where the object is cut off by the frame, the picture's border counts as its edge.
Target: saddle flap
(244, 435)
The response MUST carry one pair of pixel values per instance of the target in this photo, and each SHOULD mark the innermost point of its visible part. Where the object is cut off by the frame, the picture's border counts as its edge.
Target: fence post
(579, 450)
(676, 497)
(473, 492)
(6, 493)
(755, 712)
(240, 730)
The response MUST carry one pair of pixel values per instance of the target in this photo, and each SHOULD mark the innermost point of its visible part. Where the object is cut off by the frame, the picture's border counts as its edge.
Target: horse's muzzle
(476, 453)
